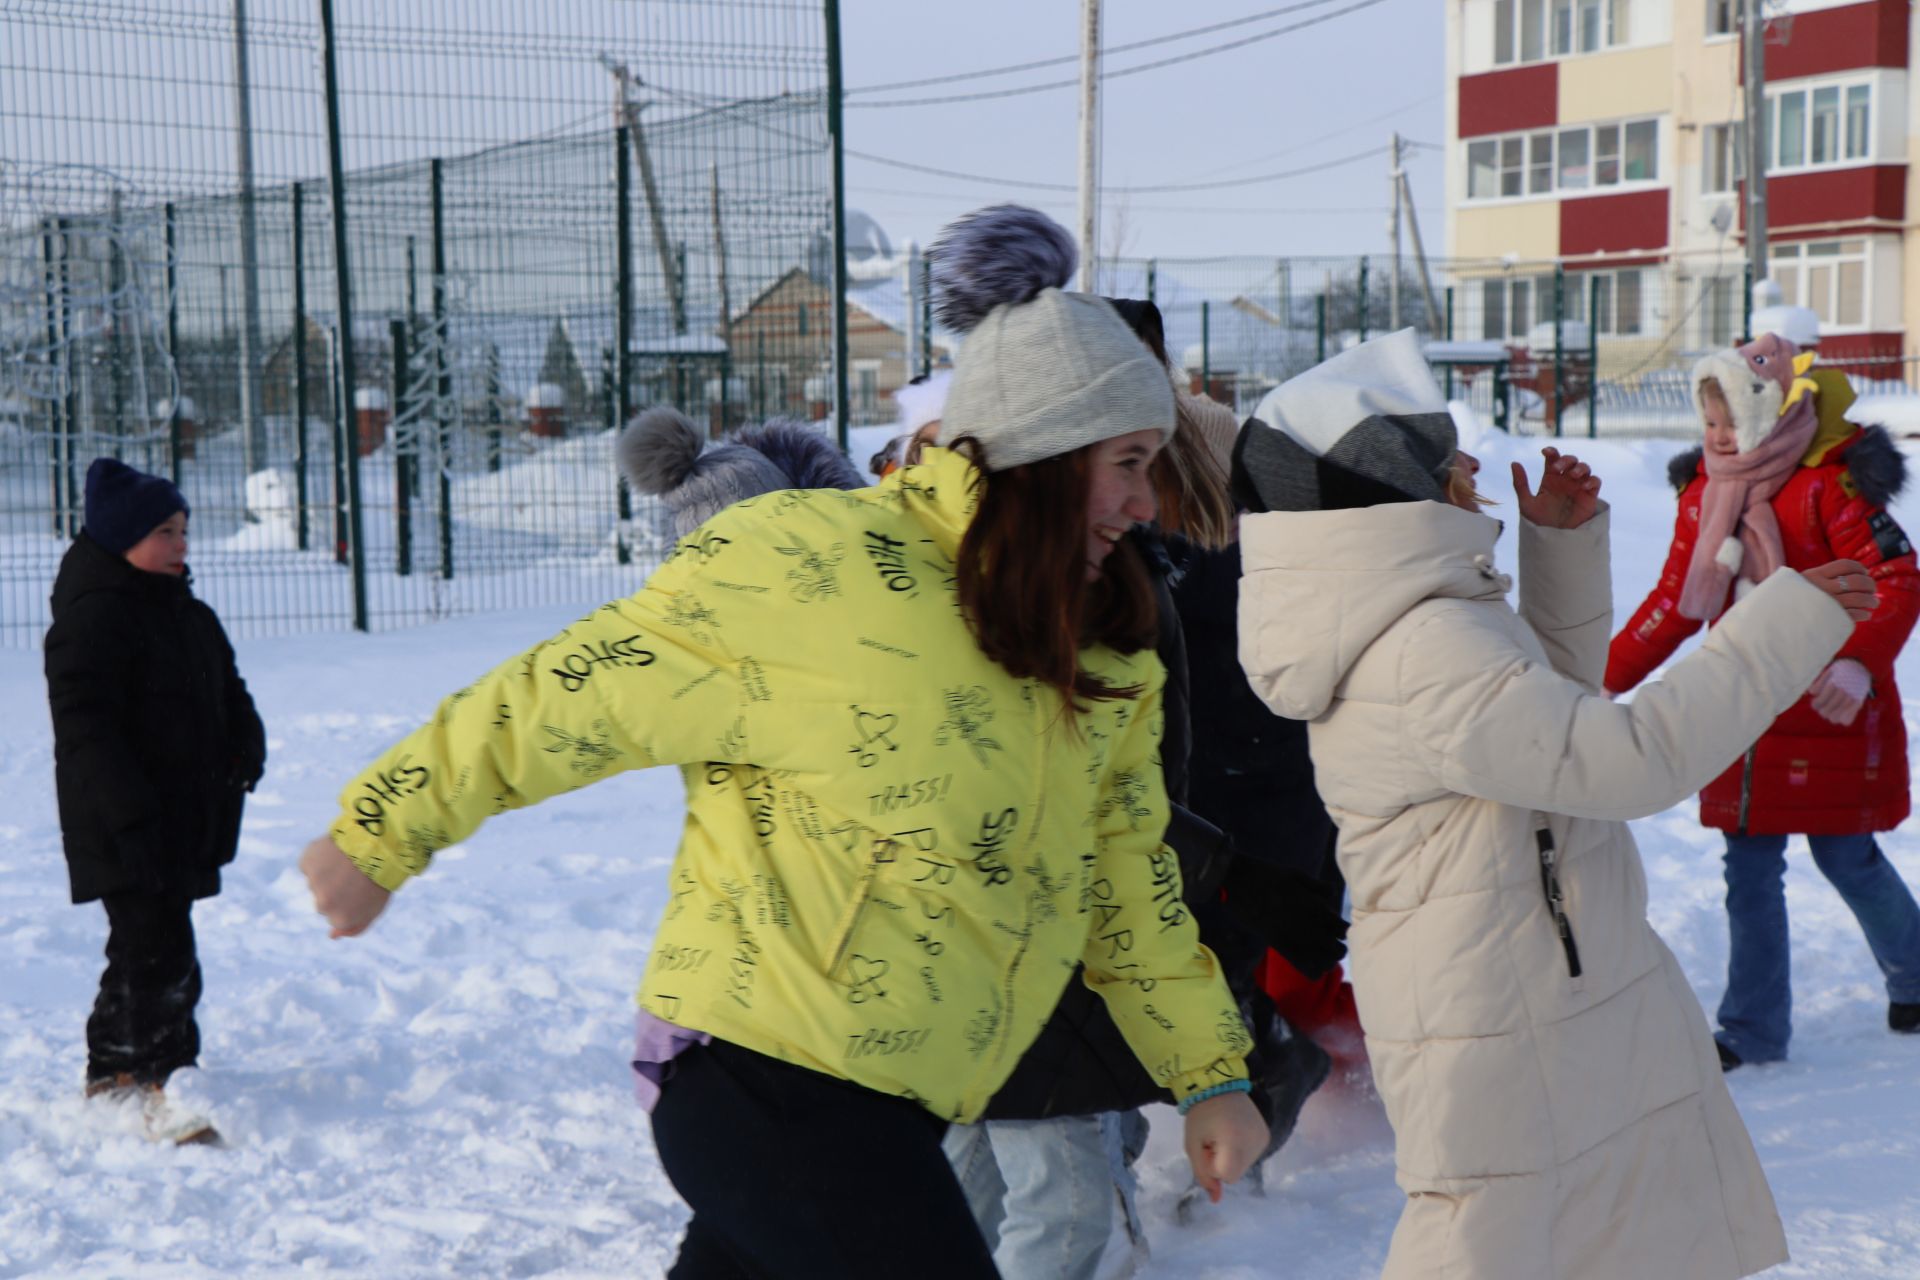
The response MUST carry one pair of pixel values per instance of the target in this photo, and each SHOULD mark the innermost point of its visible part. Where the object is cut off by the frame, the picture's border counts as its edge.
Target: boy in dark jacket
(155, 743)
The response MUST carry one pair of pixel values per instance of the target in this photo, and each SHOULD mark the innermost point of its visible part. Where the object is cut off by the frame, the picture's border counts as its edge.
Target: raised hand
(1569, 492)
(1850, 585)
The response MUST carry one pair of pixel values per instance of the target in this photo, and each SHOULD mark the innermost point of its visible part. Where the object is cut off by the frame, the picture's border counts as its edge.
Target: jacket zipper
(1746, 791)
(1556, 899)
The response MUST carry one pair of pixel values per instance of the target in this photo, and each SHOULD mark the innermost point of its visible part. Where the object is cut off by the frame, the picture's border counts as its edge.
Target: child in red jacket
(1786, 481)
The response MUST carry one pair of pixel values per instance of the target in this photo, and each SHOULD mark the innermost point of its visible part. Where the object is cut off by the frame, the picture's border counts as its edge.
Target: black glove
(1290, 912)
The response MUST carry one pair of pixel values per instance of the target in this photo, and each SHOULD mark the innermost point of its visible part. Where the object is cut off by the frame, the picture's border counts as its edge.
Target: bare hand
(1850, 585)
(341, 891)
(1225, 1134)
(1569, 492)
(1831, 697)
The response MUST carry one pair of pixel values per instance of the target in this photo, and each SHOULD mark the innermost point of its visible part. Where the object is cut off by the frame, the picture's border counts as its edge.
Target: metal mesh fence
(549, 211)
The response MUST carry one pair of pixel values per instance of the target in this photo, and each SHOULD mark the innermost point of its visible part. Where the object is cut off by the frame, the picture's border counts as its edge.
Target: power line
(1127, 71)
(1281, 12)
(1162, 187)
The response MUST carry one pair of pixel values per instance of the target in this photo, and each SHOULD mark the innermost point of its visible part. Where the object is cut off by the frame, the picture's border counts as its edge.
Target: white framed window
(1511, 305)
(1723, 158)
(1827, 276)
(1532, 30)
(866, 386)
(1614, 301)
(1718, 311)
(1819, 126)
(1581, 158)
(1725, 16)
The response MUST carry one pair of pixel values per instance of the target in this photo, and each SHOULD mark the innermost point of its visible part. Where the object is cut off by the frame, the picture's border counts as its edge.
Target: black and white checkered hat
(1366, 427)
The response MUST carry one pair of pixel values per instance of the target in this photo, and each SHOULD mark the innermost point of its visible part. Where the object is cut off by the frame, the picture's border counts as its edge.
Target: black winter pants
(142, 1021)
(791, 1173)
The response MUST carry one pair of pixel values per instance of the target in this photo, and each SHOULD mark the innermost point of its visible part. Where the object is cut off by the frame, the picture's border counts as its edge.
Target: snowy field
(449, 1094)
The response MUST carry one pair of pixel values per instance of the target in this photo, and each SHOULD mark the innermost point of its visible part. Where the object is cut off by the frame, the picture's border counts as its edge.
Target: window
(1828, 276)
(1718, 317)
(1577, 159)
(1606, 155)
(1724, 17)
(1483, 170)
(1792, 115)
(1539, 163)
(1530, 30)
(1825, 121)
(1573, 159)
(1819, 125)
(1493, 309)
(1724, 161)
(866, 386)
(1858, 143)
(1610, 300)
(1502, 31)
(1640, 151)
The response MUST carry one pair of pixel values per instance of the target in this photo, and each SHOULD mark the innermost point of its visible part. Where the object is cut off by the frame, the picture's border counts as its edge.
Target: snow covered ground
(449, 1094)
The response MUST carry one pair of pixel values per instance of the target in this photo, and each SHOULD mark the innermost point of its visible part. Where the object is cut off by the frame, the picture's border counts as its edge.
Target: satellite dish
(1722, 219)
(866, 238)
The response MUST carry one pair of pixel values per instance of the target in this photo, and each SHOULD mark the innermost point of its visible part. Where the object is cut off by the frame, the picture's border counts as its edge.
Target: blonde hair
(1711, 392)
(1190, 474)
(1461, 491)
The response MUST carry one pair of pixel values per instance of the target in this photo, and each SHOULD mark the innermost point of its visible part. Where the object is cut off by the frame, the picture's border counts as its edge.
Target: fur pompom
(1682, 467)
(993, 257)
(657, 452)
(1878, 468)
(809, 459)
(1731, 555)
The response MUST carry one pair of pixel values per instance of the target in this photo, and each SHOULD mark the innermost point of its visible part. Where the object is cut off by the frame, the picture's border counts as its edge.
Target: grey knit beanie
(1042, 372)
(1366, 427)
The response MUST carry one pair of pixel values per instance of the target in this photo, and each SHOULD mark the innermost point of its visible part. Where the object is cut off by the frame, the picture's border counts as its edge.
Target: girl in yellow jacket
(918, 726)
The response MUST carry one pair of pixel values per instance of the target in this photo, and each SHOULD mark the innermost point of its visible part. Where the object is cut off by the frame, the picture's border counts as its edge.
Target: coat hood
(88, 567)
(1321, 586)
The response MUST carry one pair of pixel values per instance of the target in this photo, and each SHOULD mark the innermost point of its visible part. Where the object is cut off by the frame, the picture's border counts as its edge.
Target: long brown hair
(1190, 474)
(1022, 579)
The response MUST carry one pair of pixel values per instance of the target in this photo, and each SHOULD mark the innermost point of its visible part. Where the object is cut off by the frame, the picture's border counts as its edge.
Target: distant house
(781, 347)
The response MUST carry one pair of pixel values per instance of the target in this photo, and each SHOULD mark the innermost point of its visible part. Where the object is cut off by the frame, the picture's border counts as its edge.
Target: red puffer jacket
(1806, 775)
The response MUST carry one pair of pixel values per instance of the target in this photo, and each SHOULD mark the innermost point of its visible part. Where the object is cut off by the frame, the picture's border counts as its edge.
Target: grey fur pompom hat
(1042, 372)
(663, 453)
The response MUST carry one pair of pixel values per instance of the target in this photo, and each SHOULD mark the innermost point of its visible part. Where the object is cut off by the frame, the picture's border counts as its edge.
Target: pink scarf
(1740, 489)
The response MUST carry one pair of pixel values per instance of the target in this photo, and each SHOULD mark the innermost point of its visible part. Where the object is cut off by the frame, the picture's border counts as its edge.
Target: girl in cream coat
(1557, 1105)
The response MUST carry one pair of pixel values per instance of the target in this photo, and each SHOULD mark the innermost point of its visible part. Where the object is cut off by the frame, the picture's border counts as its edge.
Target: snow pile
(449, 1095)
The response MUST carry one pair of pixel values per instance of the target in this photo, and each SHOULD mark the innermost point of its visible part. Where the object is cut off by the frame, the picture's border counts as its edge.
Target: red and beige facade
(1607, 136)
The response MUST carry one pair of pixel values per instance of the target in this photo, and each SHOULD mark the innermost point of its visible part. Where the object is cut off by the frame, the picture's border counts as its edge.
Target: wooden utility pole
(1089, 145)
(1394, 179)
(628, 114)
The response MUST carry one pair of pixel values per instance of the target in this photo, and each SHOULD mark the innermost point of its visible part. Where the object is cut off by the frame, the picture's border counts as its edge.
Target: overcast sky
(1285, 103)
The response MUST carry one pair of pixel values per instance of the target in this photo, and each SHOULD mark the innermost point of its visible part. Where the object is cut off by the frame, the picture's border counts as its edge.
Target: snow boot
(1904, 1018)
(160, 1120)
(1729, 1060)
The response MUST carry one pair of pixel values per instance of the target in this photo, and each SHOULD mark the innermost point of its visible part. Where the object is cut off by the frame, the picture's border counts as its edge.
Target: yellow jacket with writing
(894, 851)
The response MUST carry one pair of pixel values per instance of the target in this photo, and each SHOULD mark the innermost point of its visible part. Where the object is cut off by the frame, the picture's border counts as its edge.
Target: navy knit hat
(124, 505)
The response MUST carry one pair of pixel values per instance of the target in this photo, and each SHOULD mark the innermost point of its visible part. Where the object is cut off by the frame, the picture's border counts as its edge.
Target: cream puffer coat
(1557, 1105)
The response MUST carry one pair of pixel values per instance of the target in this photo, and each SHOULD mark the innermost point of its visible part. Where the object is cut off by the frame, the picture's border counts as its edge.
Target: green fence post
(297, 195)
(51, 285)
(1559, 364)
(343, 306)
(1363, 298)
(172, 243)
(622, 325)
(1593, 361)
(405, 418)
(493, 408)
(69, 494)
(443, 371)
(1320, 329)
(1153, 273)
(836, 135)
(1206, 347)
(1746, 306)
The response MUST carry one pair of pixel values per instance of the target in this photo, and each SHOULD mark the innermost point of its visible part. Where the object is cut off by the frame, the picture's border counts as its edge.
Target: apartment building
(1608, 136)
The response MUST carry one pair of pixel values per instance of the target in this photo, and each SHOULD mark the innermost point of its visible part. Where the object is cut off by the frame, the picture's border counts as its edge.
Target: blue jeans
(1041, 1190)
(1756, 1017)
